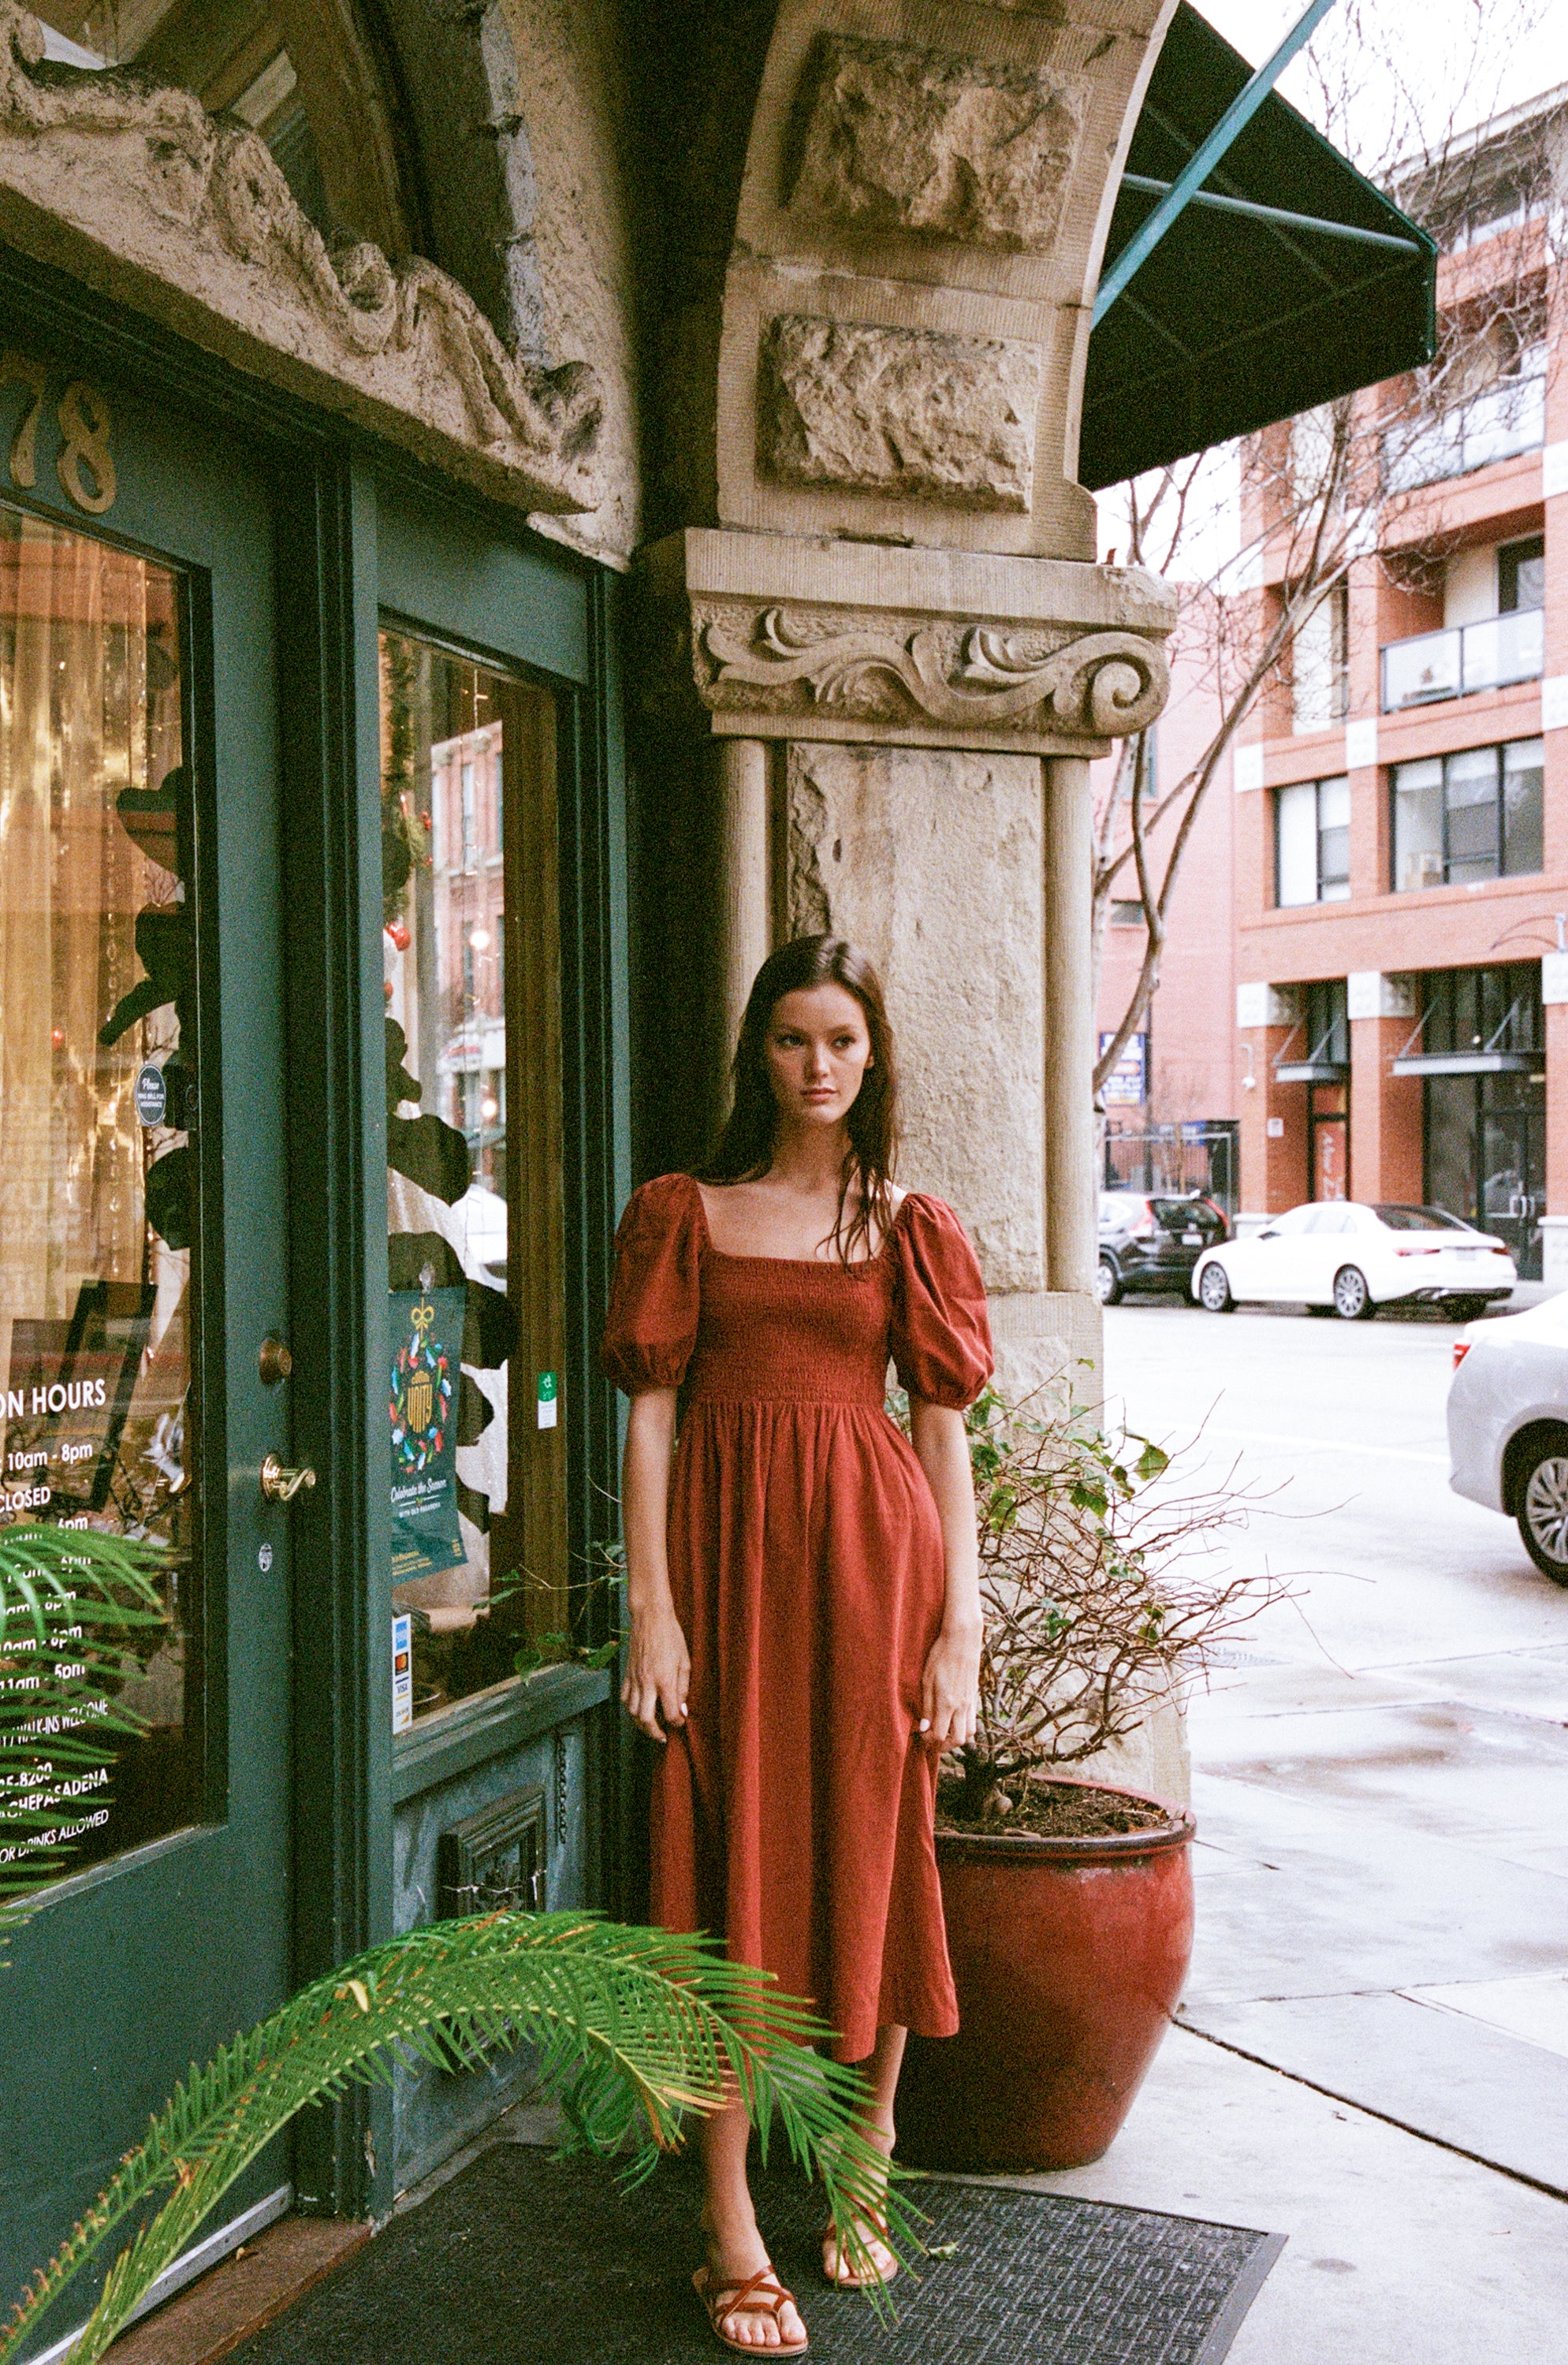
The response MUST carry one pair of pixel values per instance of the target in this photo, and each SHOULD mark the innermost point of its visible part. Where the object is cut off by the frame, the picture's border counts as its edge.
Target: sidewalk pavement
(1373, 2054)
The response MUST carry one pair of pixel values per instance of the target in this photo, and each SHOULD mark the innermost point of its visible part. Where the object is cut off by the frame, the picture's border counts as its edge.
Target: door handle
(281, 1485)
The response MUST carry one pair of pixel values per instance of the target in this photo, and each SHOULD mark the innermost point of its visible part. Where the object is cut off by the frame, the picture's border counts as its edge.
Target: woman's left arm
(949, 1691)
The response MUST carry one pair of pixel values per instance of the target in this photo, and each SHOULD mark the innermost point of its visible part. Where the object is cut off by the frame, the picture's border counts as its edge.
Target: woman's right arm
(658, 1663)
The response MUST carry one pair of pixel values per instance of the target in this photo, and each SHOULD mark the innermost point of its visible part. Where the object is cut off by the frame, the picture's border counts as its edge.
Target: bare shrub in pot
(1104, 1592)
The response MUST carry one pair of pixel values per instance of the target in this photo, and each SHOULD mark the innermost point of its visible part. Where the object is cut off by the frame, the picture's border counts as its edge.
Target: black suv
(1153, 1242)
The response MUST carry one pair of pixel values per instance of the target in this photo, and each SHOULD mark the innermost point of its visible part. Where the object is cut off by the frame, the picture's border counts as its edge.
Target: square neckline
(820, 1264)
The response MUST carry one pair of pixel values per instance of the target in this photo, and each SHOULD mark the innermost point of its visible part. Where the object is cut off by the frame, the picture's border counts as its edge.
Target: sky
(1452, 62)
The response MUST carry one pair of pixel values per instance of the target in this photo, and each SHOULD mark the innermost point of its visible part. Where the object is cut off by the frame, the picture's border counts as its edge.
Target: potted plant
(1069, 1902)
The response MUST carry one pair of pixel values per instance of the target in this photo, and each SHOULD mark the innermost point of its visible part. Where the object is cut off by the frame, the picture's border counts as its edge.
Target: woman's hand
(658, 1673)
(949, 1690)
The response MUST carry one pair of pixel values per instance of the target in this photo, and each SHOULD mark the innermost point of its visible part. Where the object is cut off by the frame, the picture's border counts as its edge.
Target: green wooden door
(143, 1257)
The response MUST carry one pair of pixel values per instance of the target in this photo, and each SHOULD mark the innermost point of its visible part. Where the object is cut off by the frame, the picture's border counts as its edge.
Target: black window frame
(1511, 557)
(1494, 1006)
(1501, 834)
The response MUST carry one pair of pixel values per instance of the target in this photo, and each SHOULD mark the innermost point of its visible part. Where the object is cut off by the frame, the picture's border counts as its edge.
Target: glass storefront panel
(473, 1096)
(97, 1088)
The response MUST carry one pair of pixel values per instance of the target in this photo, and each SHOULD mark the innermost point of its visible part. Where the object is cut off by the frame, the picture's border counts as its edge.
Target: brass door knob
(281, 1485)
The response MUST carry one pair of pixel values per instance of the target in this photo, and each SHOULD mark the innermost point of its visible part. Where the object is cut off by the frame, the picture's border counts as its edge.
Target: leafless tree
(1346, 482)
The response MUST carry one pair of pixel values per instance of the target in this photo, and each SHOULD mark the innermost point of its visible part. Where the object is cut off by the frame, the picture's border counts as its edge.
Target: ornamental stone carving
(900, 411)
(779, 636)
(140, 189)
(970, 148)
(974, 677)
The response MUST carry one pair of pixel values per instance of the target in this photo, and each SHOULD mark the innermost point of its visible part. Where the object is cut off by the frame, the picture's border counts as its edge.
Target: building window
(1467, 1012)
(1126, 915)
(1476, 814)
(1318, 664)
(1327, 1021)
(1312, 842)
(1521, 575)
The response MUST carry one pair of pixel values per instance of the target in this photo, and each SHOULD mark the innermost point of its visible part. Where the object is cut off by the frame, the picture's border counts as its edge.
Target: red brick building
(1170, 1109)
(1401, 814)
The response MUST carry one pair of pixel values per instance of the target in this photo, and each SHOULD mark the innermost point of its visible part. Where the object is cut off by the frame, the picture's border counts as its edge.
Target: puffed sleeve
(651, 1326)
(941, 1340)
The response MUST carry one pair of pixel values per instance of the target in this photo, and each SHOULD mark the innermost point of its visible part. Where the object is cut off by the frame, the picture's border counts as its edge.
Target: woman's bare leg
(735, 2249)
(881, 2074)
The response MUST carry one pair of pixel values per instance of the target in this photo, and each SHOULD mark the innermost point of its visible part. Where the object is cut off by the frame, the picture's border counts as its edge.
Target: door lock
(281, 1485)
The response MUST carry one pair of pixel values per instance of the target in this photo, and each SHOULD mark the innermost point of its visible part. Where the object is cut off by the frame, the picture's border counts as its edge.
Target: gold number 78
(85, 464)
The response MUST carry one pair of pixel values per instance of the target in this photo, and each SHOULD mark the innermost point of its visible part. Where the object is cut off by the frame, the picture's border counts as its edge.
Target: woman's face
(818, 1047)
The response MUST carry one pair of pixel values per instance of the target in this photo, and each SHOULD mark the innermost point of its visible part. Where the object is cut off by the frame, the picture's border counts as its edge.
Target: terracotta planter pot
(1068, 1956)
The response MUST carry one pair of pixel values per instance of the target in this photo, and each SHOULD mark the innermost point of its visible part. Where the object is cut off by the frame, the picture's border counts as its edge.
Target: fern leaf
(627, 2023)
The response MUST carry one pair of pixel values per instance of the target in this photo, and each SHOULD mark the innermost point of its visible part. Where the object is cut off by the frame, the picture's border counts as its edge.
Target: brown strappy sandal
(849, 2280)
(736, 2298)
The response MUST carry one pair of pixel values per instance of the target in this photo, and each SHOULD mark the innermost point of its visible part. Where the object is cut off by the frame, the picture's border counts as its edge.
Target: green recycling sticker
(549, 1399)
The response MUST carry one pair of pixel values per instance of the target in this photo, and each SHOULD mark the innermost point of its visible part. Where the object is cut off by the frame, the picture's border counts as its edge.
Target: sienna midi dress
(792, 1816)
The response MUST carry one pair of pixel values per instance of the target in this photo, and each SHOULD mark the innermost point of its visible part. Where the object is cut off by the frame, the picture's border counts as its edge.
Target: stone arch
(885, 338)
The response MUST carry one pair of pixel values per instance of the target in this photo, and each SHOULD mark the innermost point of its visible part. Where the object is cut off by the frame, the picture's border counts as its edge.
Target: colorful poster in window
(427, 1347)
(1127, 1086)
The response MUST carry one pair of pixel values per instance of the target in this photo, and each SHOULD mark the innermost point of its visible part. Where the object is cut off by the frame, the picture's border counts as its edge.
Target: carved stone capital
(139, 190)
(800, 640)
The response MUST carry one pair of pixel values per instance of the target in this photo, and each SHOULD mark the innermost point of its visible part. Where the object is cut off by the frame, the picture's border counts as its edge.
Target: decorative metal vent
(494, 1861)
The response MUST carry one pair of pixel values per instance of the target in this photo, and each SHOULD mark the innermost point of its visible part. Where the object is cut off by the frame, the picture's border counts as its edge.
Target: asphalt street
(1374, 2049)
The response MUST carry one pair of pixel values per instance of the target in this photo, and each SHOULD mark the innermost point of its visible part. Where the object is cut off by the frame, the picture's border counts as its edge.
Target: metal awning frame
(1279, 214)
(1486, 1062)
(1196, 171)
(1468, 1063)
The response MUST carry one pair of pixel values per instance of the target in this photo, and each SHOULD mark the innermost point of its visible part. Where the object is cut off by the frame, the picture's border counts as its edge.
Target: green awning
(1239, 318)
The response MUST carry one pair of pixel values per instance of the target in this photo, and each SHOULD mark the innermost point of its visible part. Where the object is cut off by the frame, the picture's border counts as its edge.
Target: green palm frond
(633, 2029)
(75, 1611)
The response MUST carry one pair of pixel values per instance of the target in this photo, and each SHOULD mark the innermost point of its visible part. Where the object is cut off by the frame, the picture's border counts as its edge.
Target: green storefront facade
(363, 938)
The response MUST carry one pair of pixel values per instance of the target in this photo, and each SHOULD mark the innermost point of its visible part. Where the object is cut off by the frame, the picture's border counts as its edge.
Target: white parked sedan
(1335, 1256)
(1508, 1426)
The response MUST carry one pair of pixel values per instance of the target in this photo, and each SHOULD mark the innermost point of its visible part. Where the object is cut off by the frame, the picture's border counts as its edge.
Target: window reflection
(477, 1498)
(97, 1095)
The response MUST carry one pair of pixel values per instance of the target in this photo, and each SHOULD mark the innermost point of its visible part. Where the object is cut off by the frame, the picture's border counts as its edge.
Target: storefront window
(96, 1088)
(474, 1204)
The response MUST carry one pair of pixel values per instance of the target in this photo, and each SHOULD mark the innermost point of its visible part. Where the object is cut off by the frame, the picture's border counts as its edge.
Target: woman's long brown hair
(745, 1149)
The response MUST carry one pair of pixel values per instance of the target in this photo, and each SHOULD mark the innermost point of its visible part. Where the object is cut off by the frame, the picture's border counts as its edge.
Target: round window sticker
(152, 1095)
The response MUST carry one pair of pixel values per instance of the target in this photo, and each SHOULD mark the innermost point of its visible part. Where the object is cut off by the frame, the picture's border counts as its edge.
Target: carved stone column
(869, 421)
(904, 701)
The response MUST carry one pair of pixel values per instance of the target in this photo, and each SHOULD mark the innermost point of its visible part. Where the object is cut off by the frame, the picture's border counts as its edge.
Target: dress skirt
(793, 1814)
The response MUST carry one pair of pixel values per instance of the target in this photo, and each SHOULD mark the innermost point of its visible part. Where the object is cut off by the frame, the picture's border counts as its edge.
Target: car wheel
(1352, 1298)
(1214, 1290)
(1543, 1511)
(1108, 1283)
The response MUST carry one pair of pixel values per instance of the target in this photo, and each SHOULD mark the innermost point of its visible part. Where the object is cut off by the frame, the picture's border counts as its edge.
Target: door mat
(522, 2258)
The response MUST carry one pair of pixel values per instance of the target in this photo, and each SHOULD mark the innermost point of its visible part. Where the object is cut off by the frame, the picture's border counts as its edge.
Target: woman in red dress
(803, 1579)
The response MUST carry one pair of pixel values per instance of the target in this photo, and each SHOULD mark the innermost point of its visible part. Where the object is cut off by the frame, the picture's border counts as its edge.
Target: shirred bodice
(827, 1331)
(782, 1330)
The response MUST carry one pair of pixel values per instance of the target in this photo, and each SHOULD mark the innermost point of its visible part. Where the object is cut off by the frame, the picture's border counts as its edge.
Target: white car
(1335, 1256)
(1508, 1426)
